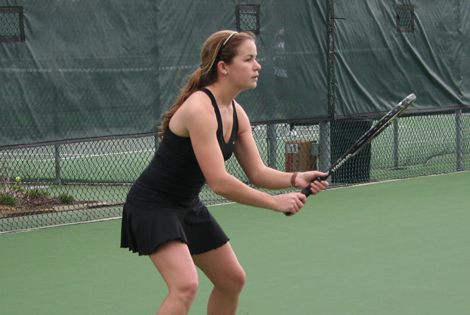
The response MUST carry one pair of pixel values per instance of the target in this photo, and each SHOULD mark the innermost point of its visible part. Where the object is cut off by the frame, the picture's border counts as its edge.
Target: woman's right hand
(291, 202)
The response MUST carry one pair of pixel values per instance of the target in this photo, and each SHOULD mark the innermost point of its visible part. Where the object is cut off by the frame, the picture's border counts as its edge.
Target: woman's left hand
(305, 178)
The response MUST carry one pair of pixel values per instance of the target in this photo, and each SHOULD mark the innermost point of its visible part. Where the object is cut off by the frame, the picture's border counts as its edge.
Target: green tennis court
(399, 247)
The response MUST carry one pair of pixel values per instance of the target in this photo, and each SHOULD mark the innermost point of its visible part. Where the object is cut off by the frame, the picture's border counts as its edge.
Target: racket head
(366, 138)
(386, 120)
(374, 131)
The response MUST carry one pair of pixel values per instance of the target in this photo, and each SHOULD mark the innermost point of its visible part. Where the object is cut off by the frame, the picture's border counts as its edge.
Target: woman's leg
(176, 266)
(221, 266)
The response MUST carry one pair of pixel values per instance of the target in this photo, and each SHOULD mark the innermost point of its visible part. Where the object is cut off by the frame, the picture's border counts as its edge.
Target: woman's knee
(233, 282)
(176, 266)
(185, 291)
(240, 279)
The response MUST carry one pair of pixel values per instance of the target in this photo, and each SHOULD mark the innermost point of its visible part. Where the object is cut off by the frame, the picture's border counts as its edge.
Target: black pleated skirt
(146, 227)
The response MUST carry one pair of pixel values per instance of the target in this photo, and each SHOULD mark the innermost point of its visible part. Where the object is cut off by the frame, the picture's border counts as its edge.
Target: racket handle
(307, 192)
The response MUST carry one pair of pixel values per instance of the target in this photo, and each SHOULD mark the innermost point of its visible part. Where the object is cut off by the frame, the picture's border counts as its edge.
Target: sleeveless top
(174, 177)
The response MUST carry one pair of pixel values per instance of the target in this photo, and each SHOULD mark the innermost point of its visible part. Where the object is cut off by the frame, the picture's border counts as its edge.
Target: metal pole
(459, 140)
(396, 153)
(325, 132)
(58, 180)
(331, 58)
(324, 162)
(272, 145)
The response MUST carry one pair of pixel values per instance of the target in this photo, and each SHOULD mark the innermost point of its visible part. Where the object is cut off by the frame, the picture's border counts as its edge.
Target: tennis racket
(366, 138)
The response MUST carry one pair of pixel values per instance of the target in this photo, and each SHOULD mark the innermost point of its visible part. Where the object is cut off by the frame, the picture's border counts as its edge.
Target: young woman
(163, 216)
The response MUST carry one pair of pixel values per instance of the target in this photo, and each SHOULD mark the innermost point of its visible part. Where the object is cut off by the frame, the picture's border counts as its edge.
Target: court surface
(399, 247)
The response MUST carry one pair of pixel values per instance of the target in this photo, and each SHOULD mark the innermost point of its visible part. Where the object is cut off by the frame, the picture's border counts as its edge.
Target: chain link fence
(83, 181)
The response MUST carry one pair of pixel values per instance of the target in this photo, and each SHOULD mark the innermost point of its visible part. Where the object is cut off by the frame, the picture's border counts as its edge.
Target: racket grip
(307, 192)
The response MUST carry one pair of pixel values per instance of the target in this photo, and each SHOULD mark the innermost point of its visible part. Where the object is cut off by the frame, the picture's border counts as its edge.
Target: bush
(66, 198)
(8, 200)
(36, 193)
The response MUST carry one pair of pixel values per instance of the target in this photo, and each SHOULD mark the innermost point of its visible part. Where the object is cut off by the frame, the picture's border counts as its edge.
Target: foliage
(37, 193)
(67, 198)
(8, 200)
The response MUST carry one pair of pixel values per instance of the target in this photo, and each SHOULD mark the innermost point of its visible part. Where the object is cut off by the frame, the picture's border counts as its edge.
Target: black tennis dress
(163, 204)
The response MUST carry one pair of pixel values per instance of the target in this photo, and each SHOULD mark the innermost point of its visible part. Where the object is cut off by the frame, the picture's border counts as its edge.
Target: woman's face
(243, 72)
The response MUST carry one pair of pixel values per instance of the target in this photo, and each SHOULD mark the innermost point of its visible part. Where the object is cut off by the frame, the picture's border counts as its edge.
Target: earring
(225, 72)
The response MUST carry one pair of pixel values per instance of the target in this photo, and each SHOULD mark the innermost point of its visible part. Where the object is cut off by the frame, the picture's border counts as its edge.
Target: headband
(223, 45)
(220, 50)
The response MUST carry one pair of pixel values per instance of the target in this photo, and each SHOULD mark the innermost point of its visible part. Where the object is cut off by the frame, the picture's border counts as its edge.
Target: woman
(163, 216)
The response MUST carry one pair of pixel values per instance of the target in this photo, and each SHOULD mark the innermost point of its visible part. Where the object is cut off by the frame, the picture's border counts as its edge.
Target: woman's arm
(259, 174)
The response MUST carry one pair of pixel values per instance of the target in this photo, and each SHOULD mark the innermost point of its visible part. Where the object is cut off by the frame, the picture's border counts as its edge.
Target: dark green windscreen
(386, 50)
(86, 69)
(90, 69)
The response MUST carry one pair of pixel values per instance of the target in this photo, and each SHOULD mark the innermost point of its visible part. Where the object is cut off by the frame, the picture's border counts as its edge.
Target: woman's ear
(221, 67)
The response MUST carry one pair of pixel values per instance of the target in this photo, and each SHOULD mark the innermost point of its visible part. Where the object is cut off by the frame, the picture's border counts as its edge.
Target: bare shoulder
(195, 113)
(197, 102)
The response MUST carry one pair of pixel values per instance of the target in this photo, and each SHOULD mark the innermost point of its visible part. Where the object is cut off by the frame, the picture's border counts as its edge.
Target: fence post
(58, 180)
(396, 153)
(331, 58)
(272, 145)
(458, 140)
(324, 162)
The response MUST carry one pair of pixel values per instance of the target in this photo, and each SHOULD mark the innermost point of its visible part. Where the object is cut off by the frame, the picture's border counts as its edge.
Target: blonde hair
(220, 46)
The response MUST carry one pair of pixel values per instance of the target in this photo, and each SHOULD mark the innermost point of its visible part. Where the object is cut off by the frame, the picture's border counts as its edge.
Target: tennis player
(163, 216)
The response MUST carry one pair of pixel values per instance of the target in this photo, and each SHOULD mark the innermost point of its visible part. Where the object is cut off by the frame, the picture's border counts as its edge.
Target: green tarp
(90, 69)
